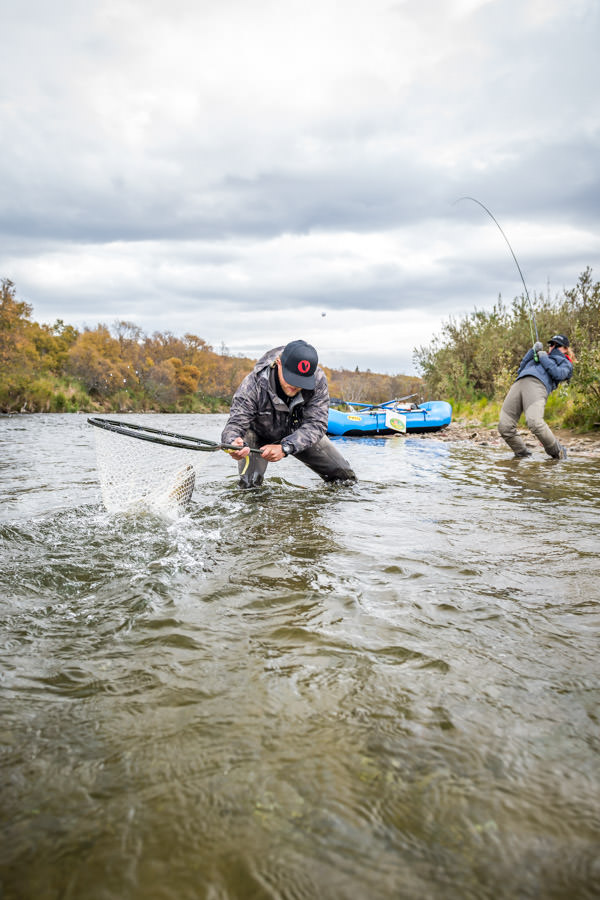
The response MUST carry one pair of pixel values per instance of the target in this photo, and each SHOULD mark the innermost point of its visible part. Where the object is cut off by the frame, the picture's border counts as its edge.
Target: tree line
(58, 368)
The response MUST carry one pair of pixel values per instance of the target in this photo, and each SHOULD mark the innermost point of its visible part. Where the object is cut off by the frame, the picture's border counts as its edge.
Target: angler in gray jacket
(282, 408)
(536, 379)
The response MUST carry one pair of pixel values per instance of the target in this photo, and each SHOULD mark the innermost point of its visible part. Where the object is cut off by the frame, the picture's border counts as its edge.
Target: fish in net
(134, 474)
(148, 467)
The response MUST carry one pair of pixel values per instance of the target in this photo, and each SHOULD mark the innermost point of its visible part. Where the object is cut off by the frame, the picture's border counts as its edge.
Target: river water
(384, 690)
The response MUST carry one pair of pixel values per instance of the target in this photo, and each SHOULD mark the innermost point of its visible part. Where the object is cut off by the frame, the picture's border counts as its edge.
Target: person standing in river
(282, 408)
(538, 375)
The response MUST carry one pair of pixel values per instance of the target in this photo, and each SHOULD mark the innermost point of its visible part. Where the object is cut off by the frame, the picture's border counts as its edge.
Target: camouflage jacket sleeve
(243, 410)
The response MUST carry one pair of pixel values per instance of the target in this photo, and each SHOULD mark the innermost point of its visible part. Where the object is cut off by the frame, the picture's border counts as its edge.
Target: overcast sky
(239, 168)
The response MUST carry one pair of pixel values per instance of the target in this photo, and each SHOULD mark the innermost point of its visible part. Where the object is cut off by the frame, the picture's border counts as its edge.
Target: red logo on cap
(304, 366)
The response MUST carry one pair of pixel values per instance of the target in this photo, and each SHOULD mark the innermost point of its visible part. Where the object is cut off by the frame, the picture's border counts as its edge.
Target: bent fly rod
(532, 322)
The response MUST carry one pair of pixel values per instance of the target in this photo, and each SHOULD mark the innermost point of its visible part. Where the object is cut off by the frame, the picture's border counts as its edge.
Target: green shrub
(475, 360)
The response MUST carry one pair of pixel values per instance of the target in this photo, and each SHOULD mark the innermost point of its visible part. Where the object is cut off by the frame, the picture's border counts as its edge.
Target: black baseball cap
(561, 340)
(299, 362)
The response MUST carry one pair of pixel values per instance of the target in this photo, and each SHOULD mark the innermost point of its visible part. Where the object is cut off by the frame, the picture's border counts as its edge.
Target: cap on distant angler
(559, 340)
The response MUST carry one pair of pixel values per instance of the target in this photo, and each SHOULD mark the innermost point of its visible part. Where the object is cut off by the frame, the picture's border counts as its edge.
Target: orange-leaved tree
(19, 359)
(95, 359)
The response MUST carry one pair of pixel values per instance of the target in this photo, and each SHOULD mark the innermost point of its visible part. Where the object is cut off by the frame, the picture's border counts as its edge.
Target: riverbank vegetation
(472, 363)
(474, 360)
(58, 368)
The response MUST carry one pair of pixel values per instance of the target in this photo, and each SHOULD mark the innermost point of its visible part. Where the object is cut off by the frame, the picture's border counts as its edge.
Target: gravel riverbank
(486, 436)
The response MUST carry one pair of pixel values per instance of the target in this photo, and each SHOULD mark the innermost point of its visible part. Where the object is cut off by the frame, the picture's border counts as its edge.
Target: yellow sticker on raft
(354, 418)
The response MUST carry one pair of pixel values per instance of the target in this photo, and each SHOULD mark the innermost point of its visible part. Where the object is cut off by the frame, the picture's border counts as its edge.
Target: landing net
(137, 473)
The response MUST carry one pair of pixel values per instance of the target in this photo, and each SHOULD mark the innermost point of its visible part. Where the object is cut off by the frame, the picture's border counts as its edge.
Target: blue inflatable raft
(388, 418)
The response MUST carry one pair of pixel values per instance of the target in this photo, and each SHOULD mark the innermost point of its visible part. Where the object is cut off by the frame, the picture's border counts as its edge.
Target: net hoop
(157, 436)
(134, 475)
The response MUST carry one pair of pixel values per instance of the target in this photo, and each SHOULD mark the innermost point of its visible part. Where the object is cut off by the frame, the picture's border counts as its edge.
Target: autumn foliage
(57, 368)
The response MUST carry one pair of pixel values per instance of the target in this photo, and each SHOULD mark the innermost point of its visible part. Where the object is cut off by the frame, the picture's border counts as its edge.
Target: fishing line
(493, 217)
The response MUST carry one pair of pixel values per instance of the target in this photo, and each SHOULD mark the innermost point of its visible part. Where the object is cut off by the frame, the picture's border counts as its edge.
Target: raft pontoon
(388, 418)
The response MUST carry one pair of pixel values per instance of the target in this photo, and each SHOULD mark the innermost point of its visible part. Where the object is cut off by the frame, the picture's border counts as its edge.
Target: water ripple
(388, 689)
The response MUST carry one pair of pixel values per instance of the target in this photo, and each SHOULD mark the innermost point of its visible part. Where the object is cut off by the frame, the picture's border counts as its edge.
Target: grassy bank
(58, 394)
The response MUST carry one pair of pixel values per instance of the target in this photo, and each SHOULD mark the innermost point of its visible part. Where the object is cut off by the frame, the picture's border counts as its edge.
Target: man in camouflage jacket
(282, 407)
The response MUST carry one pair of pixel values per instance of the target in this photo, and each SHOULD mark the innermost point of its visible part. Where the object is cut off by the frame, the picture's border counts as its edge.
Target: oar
(396, 400)
(348, 402)
(364, 407)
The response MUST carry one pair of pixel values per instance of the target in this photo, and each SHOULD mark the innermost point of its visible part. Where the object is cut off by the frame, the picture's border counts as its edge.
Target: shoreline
(587, 444)
(580, 444)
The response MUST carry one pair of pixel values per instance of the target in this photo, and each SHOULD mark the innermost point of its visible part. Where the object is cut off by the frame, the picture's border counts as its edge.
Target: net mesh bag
(135, 473)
